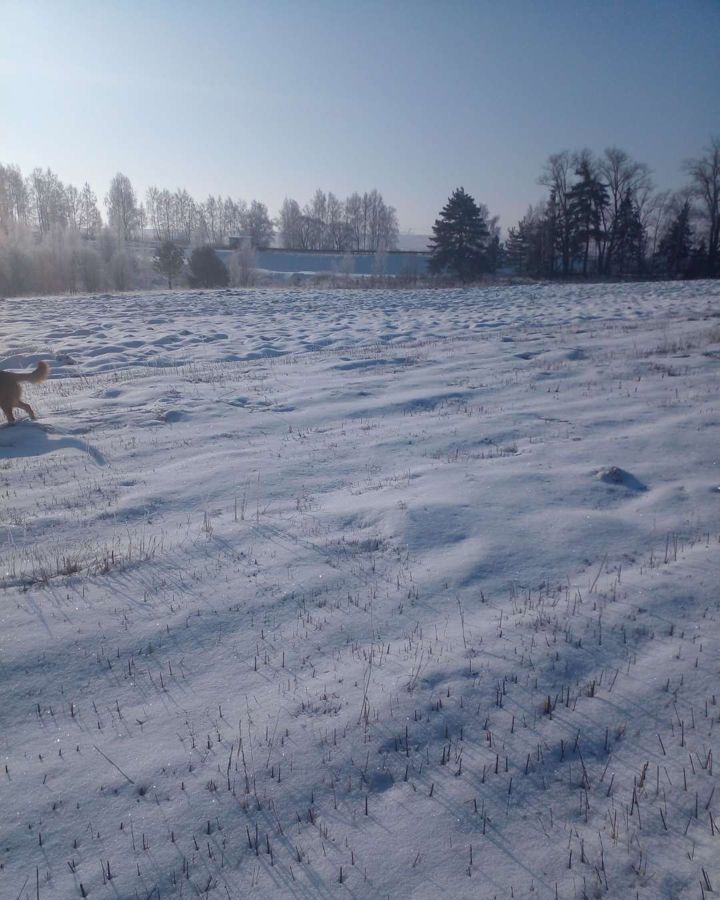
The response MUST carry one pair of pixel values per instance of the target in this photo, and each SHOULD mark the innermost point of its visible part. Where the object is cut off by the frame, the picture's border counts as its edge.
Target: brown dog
(11, 392)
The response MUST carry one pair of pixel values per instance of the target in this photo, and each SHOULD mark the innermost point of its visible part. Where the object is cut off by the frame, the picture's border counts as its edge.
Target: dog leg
(28, 409)
(8, 414)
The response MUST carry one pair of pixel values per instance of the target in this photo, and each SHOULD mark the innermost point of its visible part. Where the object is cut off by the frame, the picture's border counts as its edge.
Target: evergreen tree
(206, 269)
(169, 260)
(530, 247)
(516, 248)
(495, 254)
(699, 266)
(460, 239)
(549, 240)
(629, 239)
(586, 201)
(676, 245)
(556, 176)
(705, 185)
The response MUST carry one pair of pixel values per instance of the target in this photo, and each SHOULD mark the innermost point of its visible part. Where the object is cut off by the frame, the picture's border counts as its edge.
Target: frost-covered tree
(13, 198)
(213, 219)
(123, 267)
(151, 195)
(89, 216)
(72, 207)
(289, 224)
(184, 209)
(259, 226)
(169, 260)
(121, 205)
(47, 200)
(369, 223)
(242, 268)
(141, 221)
(234, 215)
(336, 233)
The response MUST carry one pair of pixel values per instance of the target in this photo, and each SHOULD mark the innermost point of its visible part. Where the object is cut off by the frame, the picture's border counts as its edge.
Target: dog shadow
(27, 438)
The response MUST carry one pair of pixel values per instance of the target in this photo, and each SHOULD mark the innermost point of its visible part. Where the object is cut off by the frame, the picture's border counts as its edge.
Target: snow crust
(366, 594)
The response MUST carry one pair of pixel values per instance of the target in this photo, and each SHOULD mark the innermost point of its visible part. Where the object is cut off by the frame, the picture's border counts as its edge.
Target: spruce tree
(206, 269)
(516, 248)
(550, 243)
(676, 246)
(629, 239)
(169, 261)
(699, 266)
(460, 239)
(586, 200)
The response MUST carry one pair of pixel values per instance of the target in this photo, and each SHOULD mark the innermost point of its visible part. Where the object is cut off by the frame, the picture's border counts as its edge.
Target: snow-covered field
(364, 594)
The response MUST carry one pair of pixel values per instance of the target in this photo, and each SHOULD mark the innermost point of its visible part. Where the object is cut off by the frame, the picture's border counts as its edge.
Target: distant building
(400, 263)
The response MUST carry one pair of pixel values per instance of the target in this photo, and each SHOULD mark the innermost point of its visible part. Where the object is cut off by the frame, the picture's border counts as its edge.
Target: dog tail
(40, 374)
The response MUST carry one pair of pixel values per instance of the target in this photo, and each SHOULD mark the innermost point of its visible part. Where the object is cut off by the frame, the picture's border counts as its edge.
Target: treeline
(361, 222)
(54, 238)
(42, 202)
(603, 217)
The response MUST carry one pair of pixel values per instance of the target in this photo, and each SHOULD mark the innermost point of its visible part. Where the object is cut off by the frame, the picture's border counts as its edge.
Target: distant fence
(395, 262)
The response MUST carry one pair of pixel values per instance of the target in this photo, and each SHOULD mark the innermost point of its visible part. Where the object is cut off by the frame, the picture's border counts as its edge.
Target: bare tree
(122, 208)
(234, 214)
(621, 174)
(289, 224)
(47, 199)
(185, 210)
(704, 173)
(72, 207)
(353, 219)
(141, 221)
(151, 210)
(653, 215)
(338, 236)
(369, 223)
(242, 267)
(213, 209)
(165, 215)
(13, 198)
(556, 176)
(258, 225)
(318, 211)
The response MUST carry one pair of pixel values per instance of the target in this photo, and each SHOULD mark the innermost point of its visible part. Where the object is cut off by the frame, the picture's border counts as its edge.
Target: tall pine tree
(629, 239)
(516, 248)
(587, 199)
(460, 239)
(676, 246)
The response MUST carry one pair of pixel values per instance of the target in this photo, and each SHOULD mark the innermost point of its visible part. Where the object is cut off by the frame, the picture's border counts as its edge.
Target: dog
(11, 390)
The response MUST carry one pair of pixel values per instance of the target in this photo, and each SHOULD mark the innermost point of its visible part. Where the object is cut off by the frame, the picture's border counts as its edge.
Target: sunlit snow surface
(366, 594)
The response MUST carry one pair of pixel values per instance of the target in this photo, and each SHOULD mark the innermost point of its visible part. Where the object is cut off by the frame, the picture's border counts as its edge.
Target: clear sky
(274, 98)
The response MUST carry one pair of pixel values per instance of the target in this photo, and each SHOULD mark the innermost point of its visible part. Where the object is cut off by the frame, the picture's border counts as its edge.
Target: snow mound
(616, 475)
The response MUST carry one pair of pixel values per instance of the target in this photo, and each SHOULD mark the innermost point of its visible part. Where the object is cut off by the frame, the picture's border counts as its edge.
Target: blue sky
(272, 99)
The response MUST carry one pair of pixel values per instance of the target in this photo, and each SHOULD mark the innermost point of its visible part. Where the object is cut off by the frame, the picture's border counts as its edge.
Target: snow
(365, 593)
